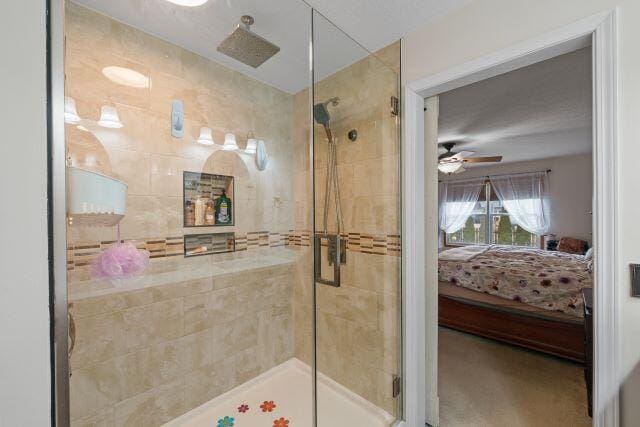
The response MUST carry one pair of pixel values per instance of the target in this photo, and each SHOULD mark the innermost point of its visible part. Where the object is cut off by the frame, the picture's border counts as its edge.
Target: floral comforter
(544, 279)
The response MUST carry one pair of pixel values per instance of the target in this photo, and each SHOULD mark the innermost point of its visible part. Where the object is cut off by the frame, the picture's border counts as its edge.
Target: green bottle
(223, 209)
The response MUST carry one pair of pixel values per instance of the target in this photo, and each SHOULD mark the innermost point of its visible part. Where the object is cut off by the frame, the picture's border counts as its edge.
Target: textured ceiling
(536, 112)
(377, 23)
(374, 24)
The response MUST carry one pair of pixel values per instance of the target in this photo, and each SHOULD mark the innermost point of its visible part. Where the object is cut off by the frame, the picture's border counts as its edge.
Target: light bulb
(109, 117)
(126, 77)
(230, 142)
(188, 3)
(251, 146)
(205, 137)
(70, 113)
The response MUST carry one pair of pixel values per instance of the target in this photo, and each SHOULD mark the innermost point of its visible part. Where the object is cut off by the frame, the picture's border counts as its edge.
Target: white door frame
(419, 267)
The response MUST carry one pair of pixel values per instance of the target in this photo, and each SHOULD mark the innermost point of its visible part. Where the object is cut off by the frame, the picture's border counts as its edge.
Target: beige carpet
(486, 383)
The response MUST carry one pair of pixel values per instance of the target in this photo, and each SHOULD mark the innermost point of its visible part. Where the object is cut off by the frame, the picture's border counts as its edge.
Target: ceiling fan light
(449, 167)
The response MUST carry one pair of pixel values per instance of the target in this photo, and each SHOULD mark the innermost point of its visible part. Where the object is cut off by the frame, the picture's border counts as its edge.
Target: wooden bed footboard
(553, 336)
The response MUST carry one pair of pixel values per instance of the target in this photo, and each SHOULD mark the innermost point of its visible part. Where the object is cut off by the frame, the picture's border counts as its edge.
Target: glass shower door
(356, 150)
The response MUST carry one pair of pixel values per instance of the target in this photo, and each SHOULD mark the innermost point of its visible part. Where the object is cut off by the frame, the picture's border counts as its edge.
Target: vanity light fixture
(70, 113)
(205, 138)
(126, 77)
(251, 144)
(230, 143)
(109, 117)
(188, 3)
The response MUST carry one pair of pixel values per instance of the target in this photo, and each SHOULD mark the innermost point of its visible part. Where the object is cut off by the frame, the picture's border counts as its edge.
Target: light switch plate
(177, 119)
(635, 280)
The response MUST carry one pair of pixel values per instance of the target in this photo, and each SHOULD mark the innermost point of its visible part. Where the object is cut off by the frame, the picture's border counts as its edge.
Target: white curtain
(457, 200)
(526, 198)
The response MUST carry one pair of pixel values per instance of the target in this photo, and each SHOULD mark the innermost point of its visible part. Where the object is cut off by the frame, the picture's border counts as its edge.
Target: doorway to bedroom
(515, 268)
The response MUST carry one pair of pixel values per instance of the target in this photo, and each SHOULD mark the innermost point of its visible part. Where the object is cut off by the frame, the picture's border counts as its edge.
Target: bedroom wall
(570, 190)
(483, 27)
(25, 381)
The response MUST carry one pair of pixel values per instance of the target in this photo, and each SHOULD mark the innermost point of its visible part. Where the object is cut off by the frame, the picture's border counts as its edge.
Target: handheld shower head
(322, 116)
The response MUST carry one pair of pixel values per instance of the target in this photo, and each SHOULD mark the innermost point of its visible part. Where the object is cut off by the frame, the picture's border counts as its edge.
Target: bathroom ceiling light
(205, 138)
(251, 146)
(188, 3)
(126, 77)
(70, 113)
(109, 118)
(230, 143)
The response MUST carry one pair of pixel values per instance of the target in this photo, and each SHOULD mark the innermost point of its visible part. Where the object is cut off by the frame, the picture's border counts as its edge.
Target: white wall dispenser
(94, 199)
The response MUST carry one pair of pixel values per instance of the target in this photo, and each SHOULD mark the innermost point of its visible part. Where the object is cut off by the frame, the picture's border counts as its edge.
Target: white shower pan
(289, 387)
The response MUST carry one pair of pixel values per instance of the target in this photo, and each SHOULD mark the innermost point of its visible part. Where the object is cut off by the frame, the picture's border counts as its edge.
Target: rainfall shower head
(246, 46)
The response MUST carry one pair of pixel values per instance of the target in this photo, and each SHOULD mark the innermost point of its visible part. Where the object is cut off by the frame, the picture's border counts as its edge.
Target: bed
(523, 296)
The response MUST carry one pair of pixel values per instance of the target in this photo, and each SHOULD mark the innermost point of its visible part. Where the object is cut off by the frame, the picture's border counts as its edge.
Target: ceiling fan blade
(463, 154)
(483, 159)
(460, 170)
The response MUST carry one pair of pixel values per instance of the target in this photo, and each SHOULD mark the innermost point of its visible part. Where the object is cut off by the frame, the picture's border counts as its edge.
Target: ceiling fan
(451, 162)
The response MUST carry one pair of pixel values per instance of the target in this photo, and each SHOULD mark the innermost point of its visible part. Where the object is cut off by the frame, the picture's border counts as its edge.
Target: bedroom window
(490, 223)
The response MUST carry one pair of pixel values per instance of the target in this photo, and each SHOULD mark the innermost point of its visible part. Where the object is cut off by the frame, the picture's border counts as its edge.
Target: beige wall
(570, 190)
(25, 389)
(483, 27)
(144, 154)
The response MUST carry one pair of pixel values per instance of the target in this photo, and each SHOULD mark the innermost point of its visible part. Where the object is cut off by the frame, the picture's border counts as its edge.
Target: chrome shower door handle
(335, 248)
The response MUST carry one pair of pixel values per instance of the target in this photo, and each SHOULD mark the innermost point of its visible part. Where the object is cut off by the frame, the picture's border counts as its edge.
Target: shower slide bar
(336, 254)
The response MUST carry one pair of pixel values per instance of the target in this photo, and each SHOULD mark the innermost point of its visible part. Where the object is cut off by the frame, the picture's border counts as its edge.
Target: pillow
(589, 255)
(572, 246)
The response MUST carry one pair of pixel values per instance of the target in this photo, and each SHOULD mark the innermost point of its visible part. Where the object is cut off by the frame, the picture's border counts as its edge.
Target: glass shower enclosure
(233, 247)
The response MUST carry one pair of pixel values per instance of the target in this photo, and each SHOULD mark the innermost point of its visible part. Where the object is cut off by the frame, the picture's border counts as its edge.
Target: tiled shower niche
(207, 244)
(207, 188)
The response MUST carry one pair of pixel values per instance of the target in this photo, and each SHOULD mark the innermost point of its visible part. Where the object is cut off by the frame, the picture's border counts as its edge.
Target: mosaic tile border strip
(82, 254)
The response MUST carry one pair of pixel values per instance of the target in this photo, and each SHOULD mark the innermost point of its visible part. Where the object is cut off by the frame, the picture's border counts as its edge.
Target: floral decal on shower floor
(282, 422)
(226, 422)
(268, 406)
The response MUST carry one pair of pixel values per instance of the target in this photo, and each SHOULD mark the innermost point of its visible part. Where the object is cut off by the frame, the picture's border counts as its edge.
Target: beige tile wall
(357, 324)
(145, 155)
(144, 357)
